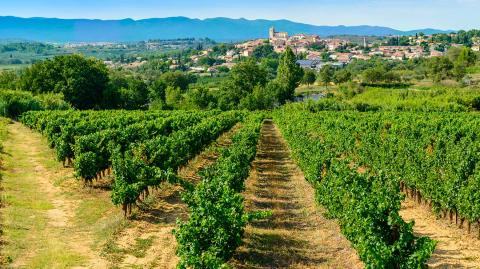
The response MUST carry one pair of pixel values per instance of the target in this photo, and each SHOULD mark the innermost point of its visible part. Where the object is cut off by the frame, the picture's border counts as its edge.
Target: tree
(208, 61)
(201, 98)
(270, 65)
(156, 91)
(248, 74)
(342, 76)
(317, 46)
(241, 81)
(259, 99)
(289, 74)
(374, 74)
(264, 51)
(467, 57)
(461, 57)
(8, 80)
(464, 55)
(82, 81)
(459, 70)
(453, 53)
(178, 79)
(173, 97)
(326, 74)
(135, 95)
(325, 56)
(309, 77)
(440, 68)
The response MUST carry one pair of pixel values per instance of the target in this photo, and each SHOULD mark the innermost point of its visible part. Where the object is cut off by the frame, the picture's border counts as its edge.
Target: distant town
(314, 52)
(207, 57)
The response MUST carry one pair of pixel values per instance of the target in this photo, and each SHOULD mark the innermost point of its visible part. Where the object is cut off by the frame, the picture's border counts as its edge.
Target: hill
(221, 29)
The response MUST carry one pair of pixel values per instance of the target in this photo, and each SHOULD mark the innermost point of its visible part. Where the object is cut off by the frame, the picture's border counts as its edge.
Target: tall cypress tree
(289, 76)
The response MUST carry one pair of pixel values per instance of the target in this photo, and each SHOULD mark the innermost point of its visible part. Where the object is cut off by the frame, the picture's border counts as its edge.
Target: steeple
(271, 33)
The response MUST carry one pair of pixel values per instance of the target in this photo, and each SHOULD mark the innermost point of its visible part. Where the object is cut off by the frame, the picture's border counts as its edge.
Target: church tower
(271, 33)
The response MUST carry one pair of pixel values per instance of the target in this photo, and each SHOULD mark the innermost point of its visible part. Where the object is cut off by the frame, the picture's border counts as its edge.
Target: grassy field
(49, 219)
(12, 66)
(418, 97)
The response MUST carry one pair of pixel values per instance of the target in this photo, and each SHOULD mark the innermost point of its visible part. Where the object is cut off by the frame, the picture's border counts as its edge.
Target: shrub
(15, 103)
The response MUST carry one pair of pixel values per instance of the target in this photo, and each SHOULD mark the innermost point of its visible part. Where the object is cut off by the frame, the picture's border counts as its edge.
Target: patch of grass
(13, 66)
(107, 229)
(108, 232)
(90, 211)
(55, 257)
(141, 246)
(115, 254)
(30, 241)
(23, 213)
(473, 69)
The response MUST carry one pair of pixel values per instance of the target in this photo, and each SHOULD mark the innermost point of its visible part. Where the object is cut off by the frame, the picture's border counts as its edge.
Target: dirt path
(297, 235)
(39, 218)
(455, 248)
(158, 221)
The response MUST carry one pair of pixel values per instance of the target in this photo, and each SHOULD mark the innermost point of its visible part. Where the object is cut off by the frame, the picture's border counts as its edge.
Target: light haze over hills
(220, 29)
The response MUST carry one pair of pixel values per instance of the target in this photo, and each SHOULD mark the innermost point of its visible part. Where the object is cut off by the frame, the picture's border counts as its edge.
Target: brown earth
(296, 235)
(455, 248)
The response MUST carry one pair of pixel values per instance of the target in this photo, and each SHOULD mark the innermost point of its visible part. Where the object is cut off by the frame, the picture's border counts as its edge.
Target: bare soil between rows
(455, 248)
(297, 235)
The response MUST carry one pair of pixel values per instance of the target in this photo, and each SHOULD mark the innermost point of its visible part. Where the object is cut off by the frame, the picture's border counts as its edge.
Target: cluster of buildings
(320, 51)
(309, 44)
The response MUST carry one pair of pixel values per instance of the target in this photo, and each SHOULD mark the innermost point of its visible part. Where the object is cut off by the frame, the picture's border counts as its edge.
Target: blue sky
(403, 15)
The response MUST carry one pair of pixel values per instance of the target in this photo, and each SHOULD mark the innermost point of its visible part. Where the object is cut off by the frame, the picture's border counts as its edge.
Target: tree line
(380, 72)
(87, 83)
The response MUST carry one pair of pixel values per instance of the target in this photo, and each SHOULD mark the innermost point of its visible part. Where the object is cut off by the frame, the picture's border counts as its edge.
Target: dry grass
(455, 248)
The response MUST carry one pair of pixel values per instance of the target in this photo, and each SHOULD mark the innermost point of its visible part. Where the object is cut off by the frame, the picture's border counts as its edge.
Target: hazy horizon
(401, 15)
(239, 18)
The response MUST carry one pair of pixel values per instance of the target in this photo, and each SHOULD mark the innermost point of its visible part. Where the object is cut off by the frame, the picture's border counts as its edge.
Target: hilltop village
(314, 51)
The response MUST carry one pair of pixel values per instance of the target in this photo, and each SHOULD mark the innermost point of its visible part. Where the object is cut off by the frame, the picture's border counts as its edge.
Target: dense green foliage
(62, 128)
(461, 37)
(93, 151)
(144, 149)
(14, 103)
(289, 75)
(440, 151)
(217, 217)
(350, 158)
(149, 163)
(81, 81)
(358, 98)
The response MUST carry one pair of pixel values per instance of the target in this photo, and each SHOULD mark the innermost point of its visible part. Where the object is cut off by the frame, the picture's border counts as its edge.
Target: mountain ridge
(219, 28)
